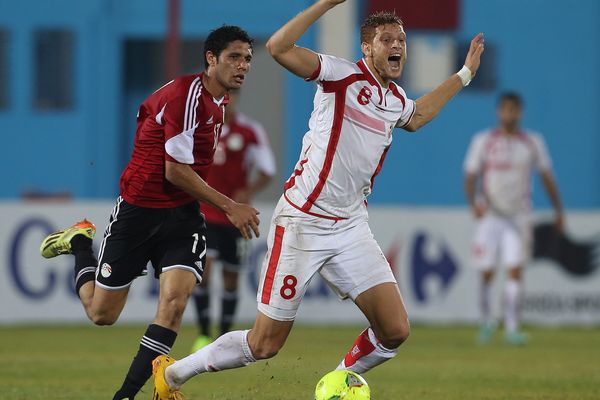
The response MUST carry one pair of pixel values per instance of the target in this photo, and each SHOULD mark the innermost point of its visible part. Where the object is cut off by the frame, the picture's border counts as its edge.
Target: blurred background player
(320, 224)
(156, 217)
(243, 165)
(502, 160)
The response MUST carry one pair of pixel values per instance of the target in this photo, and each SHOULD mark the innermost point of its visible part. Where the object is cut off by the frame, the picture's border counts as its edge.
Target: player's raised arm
(282, 45)
(430, 104)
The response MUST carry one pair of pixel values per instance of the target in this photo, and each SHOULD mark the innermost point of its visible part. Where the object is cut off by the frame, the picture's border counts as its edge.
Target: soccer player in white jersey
(502, 159)
(320, 224)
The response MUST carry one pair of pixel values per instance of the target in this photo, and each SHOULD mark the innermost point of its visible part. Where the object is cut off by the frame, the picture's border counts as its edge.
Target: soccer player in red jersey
(156, 217)
(320, 224)
(243, 165)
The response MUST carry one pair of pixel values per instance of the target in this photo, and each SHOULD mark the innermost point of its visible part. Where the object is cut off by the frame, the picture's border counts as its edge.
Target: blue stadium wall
(78, 150)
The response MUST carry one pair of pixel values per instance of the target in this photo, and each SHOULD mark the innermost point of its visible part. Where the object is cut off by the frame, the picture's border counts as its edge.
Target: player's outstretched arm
(430, 104)
(242, 216)
(282, 45)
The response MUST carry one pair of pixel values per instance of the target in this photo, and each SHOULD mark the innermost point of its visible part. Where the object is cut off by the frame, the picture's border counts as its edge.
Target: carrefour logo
(423, 266)
(443, 268)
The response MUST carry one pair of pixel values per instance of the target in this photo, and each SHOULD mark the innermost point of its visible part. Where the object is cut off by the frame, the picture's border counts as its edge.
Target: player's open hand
(478, 210)
(474, 55)
(245, 218)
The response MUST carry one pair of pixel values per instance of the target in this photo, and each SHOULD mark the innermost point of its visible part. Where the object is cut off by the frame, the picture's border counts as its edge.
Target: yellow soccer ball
(342, 385)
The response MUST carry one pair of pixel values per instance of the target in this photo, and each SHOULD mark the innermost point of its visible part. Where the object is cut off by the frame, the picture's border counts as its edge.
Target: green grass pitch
(88, 363)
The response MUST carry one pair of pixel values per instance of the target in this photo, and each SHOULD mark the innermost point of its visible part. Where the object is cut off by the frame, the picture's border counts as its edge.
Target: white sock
(366, 353)
(485, 308)
(229, 351)
(512, 298)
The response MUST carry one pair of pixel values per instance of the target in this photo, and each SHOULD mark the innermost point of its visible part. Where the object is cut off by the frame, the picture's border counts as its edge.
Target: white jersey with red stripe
(505, 162)
(350, 131)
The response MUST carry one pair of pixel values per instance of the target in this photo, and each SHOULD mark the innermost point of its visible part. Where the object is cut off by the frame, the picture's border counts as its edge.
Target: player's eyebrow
(238, 54)
(402, 35)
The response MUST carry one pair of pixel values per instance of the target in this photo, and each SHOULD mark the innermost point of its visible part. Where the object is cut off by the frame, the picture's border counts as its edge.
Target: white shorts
(502, 241)
(343, 252)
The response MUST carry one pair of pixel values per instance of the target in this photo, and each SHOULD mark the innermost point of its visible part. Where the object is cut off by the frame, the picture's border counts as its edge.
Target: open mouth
(239, 78)
(394, 60)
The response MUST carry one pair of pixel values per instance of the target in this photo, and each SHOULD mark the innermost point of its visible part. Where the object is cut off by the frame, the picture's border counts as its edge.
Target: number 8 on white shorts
(343, 252)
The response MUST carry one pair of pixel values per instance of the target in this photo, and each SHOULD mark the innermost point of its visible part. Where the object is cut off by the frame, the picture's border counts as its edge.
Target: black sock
(228, 306)
(85, 261)
(202, 301)
(156, 341)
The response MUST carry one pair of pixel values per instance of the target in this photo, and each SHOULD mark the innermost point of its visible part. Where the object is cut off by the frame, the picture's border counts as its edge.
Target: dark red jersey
(180, 122)
(243, 146)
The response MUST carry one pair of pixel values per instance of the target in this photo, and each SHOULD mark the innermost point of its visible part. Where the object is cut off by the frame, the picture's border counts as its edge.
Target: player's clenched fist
(245, 218)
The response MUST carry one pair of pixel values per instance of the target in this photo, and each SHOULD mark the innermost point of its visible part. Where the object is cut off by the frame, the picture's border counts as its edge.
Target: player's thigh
(126, 247)
(293, 257)
(384, 308)
(514, 247)
(362, 273)
(486, 243)
(181, 243)
(358, 265)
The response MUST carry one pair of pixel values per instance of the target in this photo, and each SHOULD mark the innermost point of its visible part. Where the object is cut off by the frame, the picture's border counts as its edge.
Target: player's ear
(211, 58)
(366, 49)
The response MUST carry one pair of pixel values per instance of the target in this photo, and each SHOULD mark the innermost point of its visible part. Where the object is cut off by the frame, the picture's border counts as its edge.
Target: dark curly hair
(367, 29)
(218, 39)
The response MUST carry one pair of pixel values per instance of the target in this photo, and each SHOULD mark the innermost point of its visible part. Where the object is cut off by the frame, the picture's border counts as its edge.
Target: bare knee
(393, 336)
(103, 318)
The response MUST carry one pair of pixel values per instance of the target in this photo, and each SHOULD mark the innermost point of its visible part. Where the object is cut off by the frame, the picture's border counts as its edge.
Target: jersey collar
(362, 64)
(219, 102)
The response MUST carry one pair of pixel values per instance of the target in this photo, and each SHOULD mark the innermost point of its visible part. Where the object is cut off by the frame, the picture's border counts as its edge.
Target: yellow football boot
(58, 243)
(162, 390)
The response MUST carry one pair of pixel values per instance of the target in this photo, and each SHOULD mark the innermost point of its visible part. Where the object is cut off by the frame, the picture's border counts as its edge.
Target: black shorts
(168, 237)
(226, 244)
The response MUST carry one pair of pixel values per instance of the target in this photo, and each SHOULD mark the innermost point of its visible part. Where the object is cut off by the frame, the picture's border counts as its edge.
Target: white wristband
(465, 75)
